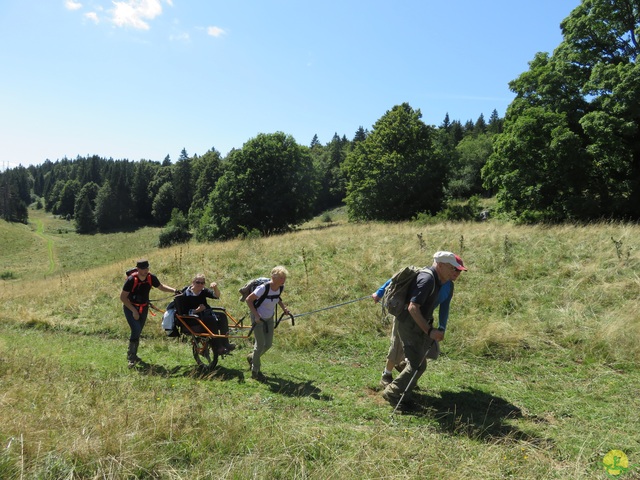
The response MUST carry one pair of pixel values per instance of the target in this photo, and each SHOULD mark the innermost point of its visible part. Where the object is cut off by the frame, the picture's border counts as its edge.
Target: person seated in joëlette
(193, 301)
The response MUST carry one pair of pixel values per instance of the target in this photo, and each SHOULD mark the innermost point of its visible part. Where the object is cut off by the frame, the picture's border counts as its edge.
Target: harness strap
(141, 307)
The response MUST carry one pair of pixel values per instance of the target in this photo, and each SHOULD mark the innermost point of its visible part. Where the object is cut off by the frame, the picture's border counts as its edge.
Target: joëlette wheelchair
(204, 337)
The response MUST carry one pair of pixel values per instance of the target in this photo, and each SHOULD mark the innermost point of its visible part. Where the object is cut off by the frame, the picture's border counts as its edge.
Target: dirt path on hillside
(41, 234)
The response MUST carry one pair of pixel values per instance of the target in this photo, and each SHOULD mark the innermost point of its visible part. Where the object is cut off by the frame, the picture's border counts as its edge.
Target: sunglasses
(199, 282)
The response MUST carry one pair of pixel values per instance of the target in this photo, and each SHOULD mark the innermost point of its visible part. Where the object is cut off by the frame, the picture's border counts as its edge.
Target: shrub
(176, 231)
(8, 275)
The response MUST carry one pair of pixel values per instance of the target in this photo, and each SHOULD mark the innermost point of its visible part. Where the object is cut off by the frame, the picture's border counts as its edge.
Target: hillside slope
(538, 376)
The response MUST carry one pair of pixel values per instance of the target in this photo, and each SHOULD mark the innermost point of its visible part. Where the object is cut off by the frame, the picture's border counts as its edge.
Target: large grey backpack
(396, 293)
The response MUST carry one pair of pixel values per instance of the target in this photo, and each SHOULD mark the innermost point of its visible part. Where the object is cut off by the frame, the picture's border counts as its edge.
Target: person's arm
(416, 314)
(156, 283)
(168, 289)
(377, 296)
(443, 314)
(443, 309)
(250, 299)
(213, 292)
(124, 298)
(216, 290)
(283, 307)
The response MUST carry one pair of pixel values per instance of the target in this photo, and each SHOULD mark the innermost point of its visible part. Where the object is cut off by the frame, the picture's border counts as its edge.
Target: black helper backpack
(133, 272)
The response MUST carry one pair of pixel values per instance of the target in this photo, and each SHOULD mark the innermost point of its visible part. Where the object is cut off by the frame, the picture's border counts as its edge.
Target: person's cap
(450, 258)
(142, 263)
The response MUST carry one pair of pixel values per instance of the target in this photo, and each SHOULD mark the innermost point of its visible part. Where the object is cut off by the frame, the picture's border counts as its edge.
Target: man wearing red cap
(415, 324)
(395, 356)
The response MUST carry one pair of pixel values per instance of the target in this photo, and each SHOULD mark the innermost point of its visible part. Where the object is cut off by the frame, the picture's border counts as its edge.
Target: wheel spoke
(203, 352)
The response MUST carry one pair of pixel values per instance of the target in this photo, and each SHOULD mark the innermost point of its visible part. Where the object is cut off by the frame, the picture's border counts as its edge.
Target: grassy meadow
(538, 377)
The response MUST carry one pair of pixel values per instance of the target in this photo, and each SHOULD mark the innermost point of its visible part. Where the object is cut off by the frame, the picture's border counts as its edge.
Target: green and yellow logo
(615, 463)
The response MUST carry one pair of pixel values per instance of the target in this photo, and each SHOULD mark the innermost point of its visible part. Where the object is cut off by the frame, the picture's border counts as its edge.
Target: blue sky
(146, 78)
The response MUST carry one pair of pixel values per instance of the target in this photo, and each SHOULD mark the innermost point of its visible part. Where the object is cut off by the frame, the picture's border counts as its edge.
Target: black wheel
(203, 352)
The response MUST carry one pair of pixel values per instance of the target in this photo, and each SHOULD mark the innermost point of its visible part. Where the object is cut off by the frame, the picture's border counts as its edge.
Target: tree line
(269, 185)
(568, 149)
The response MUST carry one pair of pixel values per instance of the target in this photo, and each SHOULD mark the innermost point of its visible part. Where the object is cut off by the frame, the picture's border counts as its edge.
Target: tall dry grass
(538, 361)
(527, 287)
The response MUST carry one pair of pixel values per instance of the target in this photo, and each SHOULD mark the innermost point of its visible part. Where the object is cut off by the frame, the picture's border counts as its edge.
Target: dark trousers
(218, 323)
(136, 326)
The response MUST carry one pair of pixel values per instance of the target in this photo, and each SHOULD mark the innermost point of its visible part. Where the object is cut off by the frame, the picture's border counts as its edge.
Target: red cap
(461, 267)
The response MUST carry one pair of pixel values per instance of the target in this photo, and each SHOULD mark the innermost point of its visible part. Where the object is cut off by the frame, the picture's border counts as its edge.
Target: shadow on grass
(282, 386)
(192, 371)
(292, 388)
(475, 414)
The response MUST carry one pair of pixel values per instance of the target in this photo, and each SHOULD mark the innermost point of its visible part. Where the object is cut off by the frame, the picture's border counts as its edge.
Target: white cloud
(135, 13)
(92, 16)
(215, 31)
(71, 5)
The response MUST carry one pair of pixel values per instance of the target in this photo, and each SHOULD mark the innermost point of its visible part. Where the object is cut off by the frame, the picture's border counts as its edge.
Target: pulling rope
(173, 295)
(293, 317)
(332, 306)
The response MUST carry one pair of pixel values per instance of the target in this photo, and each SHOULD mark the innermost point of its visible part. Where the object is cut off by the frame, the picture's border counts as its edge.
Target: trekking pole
(424, 359)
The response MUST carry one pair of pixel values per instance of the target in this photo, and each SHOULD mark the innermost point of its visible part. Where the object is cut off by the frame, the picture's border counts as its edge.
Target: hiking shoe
(222, 350)
(258, 376)
(230, 347)
(133, 362)
(250, 360)
(386, 379)
(408, 404)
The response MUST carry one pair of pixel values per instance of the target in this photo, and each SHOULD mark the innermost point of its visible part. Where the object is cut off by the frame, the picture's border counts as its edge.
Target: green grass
(538, 377)
(48, 246)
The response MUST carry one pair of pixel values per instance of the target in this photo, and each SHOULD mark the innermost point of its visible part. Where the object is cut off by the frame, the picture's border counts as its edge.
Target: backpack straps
(430, 272)
(136, 283)
(265, 295)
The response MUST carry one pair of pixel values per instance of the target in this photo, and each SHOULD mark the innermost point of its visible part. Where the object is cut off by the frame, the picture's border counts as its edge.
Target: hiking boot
(222, 350)
(390, 397)
(230, 347)
(132, 353)
(386, 379)
(407, 405)
(258, 376)
(250, 360)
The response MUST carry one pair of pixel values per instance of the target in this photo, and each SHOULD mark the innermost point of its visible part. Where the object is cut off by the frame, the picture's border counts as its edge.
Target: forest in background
(269, 185)
(567, 150)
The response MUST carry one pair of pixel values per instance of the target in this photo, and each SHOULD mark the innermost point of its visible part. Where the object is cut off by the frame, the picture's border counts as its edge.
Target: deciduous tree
(267, 186)
(395, 172)
(571, 142)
